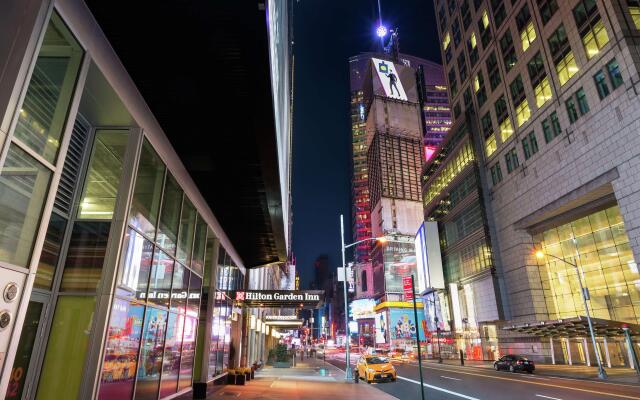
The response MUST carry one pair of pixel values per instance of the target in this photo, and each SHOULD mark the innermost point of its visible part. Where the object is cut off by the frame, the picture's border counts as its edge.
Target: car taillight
(519, 362)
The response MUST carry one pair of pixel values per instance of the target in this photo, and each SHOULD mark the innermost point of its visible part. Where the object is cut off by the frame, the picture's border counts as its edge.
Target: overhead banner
(390, 79)
(280, 298)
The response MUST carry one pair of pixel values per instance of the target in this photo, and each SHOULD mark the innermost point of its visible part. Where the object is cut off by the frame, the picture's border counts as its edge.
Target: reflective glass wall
(152, 331)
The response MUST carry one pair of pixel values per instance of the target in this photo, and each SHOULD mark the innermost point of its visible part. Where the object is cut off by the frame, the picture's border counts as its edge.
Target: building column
(569, 358)
(211, 269)
(606, 352)
(553, 353)
(629, 355)
(586, 351)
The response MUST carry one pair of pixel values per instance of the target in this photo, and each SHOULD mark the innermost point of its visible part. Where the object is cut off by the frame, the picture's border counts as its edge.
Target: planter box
(282, 364)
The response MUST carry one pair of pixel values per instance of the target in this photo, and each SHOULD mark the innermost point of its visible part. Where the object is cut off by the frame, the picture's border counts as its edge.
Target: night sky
(326, 34)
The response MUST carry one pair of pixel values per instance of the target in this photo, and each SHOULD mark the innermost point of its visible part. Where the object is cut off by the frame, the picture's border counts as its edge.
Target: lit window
(566, 68)
(476, 84)
(446, 41)
(634, 11)
(594, 39)
(485, 18)
(522, 113)
(542, 92)
(473, 40)
(506, 129)
(490, 145)
(528, 35)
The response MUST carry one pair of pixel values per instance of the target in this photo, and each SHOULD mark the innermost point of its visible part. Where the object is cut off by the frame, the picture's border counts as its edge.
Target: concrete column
(629, 355)
(553, 353)
(568, 351)
(586, 351)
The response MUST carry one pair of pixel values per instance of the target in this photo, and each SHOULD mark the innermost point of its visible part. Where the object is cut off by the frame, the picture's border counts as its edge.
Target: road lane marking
(547, 397)
(464, 396)
(622, 396)
(448, 377)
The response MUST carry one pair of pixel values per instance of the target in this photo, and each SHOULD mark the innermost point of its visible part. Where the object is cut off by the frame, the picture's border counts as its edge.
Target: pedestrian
(461, 357)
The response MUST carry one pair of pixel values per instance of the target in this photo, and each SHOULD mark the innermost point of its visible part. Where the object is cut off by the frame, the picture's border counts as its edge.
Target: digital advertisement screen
(381, 327)
(363, 308)
(402, 324)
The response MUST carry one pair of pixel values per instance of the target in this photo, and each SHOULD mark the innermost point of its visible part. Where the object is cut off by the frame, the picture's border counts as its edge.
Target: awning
(574, 327)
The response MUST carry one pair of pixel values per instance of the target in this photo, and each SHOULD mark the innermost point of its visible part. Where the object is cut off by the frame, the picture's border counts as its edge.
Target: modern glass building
(547, 86)
(117, 275)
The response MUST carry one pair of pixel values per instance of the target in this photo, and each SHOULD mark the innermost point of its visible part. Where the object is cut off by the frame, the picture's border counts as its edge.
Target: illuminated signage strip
(395, 304)
(279, 298)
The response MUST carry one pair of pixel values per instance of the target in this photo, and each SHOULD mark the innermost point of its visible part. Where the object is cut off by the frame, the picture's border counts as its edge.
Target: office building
(118, 263)
(549, 87)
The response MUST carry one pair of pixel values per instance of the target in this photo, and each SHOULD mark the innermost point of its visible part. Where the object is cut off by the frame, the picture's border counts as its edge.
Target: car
(372, 368)
(514, 363)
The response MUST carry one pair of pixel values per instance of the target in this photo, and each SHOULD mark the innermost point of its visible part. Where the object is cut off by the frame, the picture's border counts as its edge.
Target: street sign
(407, 284)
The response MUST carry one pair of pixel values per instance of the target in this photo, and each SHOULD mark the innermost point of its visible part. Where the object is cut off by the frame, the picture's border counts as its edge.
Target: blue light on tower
(381, 31)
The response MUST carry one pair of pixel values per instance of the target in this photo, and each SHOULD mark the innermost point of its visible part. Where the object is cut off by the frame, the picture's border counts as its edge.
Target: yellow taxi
(373, 368)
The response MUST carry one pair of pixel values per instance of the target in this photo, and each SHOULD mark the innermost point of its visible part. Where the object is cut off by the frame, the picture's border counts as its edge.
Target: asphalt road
(454, 382)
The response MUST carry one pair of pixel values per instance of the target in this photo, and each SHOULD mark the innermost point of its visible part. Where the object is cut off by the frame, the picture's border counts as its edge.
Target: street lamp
(601, 372)
(383, 240)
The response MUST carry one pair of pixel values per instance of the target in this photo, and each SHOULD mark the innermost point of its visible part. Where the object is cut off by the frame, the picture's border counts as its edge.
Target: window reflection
(169, 215)
(44, 110)
(103, 176)
(85, 257)
(50, 252)
(187, 225)
(148, 190)
(150, 365)
(172, 349)
(160, 282)
(137, 259)
(179, 289)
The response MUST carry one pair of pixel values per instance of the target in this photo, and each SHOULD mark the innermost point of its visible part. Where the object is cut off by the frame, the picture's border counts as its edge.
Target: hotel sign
(280, 298)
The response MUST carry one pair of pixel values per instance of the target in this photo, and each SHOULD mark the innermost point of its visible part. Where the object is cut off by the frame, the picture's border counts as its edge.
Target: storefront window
(136, 264)
(160, 281)
(169, 215)
(50, 252)
(180, 289)
(148, 190)
(24, 183)
(195, 286)
(188, 349)
(103, 176)
(24, 351)
(187, 225)
(200, 240)
(121, 351)
(151, 353)
(599, 245)
(64, 359)
(172, 349)
(44, 110)
(85, 257)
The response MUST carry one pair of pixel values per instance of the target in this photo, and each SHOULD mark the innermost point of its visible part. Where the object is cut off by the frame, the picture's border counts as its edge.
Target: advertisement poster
(390, 79)
(362, 308)
(381, 327)
(402, 324)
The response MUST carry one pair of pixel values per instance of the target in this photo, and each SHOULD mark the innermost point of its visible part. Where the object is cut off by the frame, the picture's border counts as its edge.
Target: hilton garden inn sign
(280, 298)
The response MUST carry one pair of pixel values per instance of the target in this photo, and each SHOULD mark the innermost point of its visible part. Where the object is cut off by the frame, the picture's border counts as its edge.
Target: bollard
(461, 358)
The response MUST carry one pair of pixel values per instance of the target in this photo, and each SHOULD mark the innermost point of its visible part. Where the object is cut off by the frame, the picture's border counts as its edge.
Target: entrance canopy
(280, 298)
(574, 327)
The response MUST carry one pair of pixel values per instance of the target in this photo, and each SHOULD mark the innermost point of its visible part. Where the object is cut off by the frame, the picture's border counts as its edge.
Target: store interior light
(381, 31)
(539, 254)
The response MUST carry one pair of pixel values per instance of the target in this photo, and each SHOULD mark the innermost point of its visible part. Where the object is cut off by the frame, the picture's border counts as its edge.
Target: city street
(455, 382)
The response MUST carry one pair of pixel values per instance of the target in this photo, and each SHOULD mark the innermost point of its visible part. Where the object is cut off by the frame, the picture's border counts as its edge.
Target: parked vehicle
(374, 368)
(514, 363)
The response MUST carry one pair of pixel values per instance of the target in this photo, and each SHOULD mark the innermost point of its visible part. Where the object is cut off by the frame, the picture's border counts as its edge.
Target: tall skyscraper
(544, 93)
(437, 119)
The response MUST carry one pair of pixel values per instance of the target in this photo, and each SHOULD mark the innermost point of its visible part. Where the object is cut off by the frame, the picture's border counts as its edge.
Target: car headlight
(371, 370)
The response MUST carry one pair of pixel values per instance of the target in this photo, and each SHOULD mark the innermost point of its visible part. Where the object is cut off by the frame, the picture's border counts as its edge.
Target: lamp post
(601, 372)
(348, 375)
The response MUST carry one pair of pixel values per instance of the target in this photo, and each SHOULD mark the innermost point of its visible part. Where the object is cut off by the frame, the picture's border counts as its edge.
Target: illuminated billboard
(402, 323)
(428, 257)
(381, 327)
(363, 308)
(390, 79)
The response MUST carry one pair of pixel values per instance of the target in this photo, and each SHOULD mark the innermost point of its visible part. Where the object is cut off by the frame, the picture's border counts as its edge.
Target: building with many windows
(118, 278)
(550, 88)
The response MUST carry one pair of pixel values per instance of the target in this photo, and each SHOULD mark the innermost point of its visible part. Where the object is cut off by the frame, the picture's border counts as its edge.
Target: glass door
(24, 365)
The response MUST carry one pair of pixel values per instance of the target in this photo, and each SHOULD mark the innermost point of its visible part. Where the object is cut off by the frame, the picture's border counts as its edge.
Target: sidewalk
(616, 375)
(311, 379)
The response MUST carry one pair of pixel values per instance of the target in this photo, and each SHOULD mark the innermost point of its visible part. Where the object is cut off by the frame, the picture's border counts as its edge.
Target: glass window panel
(136, 264)
(599, 220)
(103, 176)
(609, 257)
(581, 226)
(195, 286)
(121, 350)
(179, 289)
(44, 110)
(619, 234)
(145, 204)
(85, 257)
(188, 349)
(64, 359)
(50, 252)
(551, 237)
(169, 215)
(187, 226)
(28, 336)
(150, 365)
(614, 276)
(613, 215)
(200, 240)
(603, 238)
(171, 359)
(585, 244)
(24, 183)
(160, 281)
